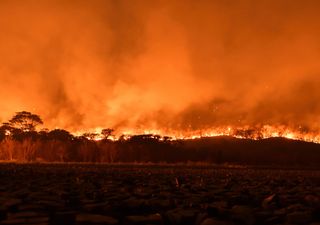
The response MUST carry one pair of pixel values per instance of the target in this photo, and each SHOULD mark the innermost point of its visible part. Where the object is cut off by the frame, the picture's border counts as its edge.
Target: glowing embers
(244, 132)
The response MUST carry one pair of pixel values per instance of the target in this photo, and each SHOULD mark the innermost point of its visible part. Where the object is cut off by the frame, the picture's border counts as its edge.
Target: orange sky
(179, 64)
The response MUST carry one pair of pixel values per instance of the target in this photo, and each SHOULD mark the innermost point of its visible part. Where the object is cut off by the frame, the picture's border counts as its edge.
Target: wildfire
(247, 132)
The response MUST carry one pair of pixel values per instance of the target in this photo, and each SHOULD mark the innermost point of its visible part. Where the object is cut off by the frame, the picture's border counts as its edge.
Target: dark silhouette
(59, 134)
(20, 141)
(106, 133)
(25, 121)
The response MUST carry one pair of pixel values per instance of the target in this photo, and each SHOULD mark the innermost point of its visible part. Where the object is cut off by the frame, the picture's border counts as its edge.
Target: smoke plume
(164, 64)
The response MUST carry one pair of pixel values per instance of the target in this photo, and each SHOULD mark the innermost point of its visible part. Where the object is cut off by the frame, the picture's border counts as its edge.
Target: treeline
(61, 146)
(20, 141)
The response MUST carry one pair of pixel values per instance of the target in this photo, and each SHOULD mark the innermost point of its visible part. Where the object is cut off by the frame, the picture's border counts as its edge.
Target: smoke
(165, 64)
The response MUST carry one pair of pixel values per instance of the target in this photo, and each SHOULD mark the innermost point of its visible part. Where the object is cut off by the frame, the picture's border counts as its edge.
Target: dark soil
(59, 194)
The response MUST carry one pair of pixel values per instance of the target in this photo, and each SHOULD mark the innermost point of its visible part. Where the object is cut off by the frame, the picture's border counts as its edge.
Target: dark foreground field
(100, 194)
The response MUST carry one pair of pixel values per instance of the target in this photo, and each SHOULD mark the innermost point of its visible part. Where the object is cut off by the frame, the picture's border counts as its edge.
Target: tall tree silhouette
(106, 133)
(59, 134)
(25, 121)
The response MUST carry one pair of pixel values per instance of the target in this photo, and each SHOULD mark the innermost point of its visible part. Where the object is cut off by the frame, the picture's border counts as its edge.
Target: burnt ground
(87, 194)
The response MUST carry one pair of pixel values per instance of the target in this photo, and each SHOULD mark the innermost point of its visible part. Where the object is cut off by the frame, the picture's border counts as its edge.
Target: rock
(162, 204)
(200, 218)
(12, 204)
(211, 221)
(149, 219)
(27, 214)
(22, 194)
(134, 204)
(242, 214)
(316, 214)
(270, 202)
(14, 221)
(280, 212)
(3, 213)
(239, 199)
(312, 200)
(302, 217)
(262, 216)
(181, 216)
(36, 221)
(29, 207)
(95, 207)
(217, 209)
(51, 206)
(295, 207)
(62, 218)
(94, 219)
(274, 220)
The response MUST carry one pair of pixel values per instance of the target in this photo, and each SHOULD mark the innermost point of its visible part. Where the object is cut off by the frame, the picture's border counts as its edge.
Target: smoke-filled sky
(166, 64)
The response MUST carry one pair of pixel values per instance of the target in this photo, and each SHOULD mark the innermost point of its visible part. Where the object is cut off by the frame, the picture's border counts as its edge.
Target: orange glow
(243, 133)
(185, 69)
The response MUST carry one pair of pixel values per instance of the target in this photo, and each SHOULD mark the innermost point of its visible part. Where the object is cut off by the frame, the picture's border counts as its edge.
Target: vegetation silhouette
(20, 141)
(25, 121)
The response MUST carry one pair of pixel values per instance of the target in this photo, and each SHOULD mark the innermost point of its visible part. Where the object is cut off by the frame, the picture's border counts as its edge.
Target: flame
(184, 69)
(246, 132)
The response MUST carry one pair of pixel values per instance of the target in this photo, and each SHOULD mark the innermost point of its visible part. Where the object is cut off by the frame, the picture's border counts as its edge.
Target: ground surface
(100, 194)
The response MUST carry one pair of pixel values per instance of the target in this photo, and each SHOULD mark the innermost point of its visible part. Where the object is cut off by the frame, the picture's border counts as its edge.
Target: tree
(90, 136)
(59, 134)
(106, 133)
(3, 131)
(25, 121)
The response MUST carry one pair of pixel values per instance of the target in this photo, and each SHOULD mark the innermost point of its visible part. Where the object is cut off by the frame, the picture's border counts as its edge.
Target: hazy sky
(180, 64)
